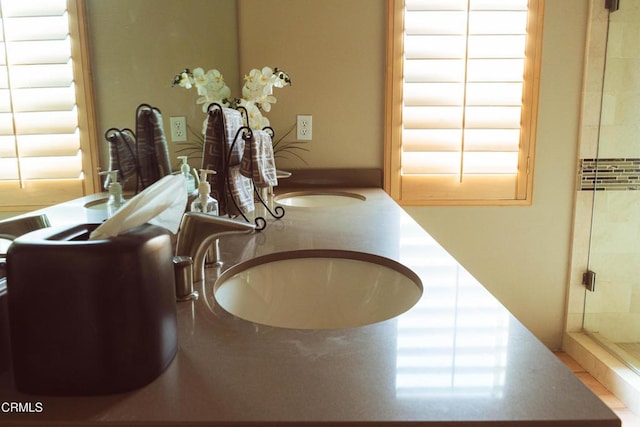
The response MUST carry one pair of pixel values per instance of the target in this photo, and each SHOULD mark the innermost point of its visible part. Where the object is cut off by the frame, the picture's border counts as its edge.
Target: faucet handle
(183, 273)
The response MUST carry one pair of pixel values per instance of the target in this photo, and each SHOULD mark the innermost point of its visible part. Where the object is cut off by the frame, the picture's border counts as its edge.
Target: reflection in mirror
(137, 46)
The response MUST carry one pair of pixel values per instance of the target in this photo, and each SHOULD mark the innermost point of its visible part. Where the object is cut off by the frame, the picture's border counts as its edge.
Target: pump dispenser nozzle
(205, 203)
(185, 169)
(184, 166)
(204, 173)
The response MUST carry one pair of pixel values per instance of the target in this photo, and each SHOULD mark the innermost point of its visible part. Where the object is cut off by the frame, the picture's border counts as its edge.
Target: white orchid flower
(204, 100)
(199, 77)
(252, 80)
(257, 91)
(215, 80)
(224, 92)
(265, 75)
(265, 102)
(251, 94)
(202, 90)
(254, 115)
(185, 81)
(281, 78)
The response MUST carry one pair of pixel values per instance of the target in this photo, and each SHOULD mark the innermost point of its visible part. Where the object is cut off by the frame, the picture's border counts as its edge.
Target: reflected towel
(122, 155)
(241, 190)
(258, 162)
(232, 124)
(152, 150)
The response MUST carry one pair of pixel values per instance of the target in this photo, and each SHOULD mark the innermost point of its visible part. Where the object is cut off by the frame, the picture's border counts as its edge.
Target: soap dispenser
(205, 203)
(115, 193)
(186, 173)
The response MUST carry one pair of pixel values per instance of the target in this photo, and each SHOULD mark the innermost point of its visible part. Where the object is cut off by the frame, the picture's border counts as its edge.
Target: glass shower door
(612, 310)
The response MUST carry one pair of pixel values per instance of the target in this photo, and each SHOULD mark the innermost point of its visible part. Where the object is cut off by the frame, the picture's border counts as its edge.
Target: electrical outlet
(304, 126)
(178, 129)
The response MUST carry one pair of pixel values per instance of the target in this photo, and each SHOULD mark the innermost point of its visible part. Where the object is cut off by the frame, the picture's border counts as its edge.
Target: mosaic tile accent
(609, 174)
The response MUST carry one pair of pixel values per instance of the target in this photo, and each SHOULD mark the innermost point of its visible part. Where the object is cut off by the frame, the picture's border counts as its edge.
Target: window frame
(406, 194)
(38, 194)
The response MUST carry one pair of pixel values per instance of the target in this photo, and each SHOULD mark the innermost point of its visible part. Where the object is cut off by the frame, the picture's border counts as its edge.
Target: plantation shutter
(41, 155)
(468, 100)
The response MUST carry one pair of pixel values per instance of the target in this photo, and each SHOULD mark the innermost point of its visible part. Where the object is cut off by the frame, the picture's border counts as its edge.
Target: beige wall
(522, 254)
(334, 51)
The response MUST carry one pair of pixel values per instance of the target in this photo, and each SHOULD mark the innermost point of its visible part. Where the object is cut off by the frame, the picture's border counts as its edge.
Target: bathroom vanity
(456, 357)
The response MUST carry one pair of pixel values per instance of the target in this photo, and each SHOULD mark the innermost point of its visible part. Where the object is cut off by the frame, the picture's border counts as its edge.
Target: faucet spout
(198, 231)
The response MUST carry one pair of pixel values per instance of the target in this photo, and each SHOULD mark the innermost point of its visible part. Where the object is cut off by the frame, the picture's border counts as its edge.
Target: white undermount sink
(310, 199)
(318, 289)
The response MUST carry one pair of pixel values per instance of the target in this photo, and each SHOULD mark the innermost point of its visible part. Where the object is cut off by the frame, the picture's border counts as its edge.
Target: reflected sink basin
(310, 199)
(318, 289)
(99, 204)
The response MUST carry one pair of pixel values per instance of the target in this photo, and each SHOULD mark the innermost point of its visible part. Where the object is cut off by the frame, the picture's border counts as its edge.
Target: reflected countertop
(457, 357)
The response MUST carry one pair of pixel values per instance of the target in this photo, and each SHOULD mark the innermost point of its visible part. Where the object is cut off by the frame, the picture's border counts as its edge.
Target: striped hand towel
(221, 128)
(258, 162)
(122, 155)
(151, 144)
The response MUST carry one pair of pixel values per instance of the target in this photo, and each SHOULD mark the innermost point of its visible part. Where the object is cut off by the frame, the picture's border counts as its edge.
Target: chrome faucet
(198, 231)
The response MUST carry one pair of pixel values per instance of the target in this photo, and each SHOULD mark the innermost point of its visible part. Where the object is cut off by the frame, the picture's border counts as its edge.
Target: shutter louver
(464, 86)
(39, 130)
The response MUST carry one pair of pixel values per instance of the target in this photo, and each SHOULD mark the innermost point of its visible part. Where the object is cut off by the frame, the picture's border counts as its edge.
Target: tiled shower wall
(610, 174)
(608, 199)
(614, 309)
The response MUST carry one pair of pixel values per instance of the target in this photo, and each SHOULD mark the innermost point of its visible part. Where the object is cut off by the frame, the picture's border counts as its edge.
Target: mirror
(137, 46)
(336, 60)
